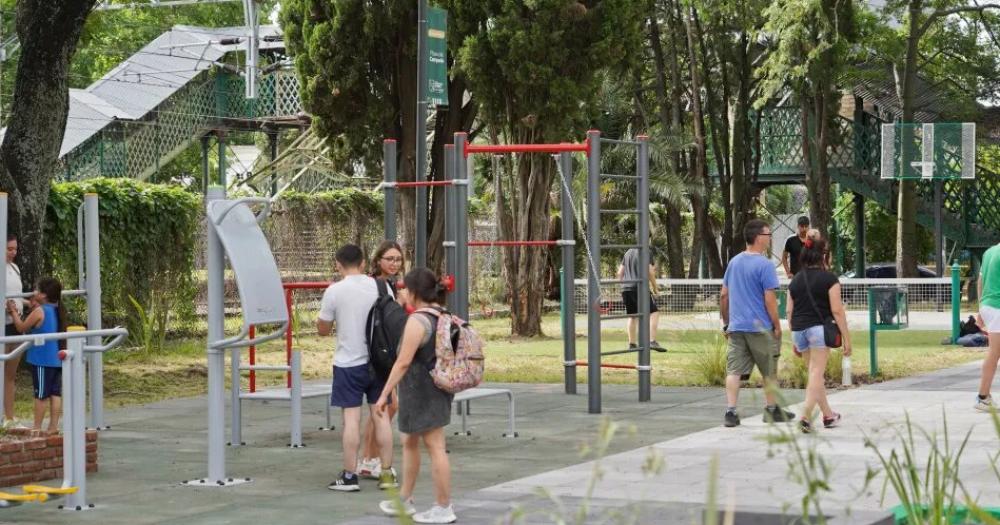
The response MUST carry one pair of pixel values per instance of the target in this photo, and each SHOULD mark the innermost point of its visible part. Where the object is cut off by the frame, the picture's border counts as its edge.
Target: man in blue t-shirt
(750, 321)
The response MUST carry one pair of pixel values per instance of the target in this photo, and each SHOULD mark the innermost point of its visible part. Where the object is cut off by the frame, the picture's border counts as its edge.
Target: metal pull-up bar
(496, 149)
(560, 242)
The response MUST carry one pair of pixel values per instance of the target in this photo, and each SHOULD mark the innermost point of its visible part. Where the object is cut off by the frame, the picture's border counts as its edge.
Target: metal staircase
(972, 208)
(177, 88)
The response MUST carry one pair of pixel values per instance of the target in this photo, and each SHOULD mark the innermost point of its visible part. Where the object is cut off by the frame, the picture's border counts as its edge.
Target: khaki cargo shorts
(747, 349)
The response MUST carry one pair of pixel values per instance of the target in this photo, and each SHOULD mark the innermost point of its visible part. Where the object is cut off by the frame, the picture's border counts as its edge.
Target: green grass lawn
(695, 358)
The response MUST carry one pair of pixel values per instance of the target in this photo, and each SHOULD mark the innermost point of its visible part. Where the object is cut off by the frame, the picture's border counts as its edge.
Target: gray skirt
(422, 406)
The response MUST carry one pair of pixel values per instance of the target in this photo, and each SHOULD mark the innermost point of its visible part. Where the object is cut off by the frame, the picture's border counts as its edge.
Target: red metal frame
(609, 365)
(289, 304)
(471, 149)
(513, 243)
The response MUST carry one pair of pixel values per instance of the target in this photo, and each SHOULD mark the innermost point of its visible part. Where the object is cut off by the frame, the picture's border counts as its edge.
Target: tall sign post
(432, 87)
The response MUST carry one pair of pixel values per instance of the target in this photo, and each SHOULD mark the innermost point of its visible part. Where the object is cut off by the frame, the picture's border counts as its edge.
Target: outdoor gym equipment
(74, 391)
(89, 273)
(457, 174)
(234, 232)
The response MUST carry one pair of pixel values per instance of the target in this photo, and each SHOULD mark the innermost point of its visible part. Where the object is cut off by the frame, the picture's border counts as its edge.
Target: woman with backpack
(387, 263)
(813, 302)
(424, 409)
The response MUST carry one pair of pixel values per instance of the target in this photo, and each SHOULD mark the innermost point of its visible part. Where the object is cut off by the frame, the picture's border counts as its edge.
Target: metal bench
(476, 393)
(285, 394)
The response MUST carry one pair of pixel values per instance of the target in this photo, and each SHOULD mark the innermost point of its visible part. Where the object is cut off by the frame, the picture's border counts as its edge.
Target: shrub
(711, 364)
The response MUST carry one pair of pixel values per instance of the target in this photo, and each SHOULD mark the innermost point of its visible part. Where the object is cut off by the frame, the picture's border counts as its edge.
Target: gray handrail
(238, 340)
(228, 206)
(30, 340)
(106, 346)
(28, 295)
(80, 269)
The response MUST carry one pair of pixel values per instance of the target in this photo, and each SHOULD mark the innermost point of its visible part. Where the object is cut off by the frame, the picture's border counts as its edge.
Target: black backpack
(383, 330)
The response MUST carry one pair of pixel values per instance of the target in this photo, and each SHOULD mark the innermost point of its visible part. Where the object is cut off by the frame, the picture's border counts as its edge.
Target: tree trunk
(48, 32)
(701, 205)
(667, 108)
(523, 214)
(906, 218)
(742, 152)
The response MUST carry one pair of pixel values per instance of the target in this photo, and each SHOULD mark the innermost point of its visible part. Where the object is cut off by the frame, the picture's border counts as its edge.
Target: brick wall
(37, 457)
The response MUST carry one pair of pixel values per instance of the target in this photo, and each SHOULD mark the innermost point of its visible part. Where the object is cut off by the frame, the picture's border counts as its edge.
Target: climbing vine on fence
(148, 236)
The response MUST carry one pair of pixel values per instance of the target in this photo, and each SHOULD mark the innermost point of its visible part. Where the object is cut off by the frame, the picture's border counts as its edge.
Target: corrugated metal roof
(149, 77)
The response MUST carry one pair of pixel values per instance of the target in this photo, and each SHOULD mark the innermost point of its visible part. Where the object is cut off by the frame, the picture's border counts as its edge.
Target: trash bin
(782, 294)
(887, 307)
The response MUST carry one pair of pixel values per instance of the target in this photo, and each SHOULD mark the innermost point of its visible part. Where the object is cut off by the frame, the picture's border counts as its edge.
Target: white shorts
(991, 318)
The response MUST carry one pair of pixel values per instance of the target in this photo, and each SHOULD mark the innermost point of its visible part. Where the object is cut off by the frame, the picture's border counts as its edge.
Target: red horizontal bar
(513, 243)
(609, 365)
(422, 184)
(525, 148)
(305, 285)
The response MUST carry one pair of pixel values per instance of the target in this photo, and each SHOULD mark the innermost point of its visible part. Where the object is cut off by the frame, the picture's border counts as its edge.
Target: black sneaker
(830, 422)
(654, 346)
(777, 415)
(732, 419)
(806, 426)
(632, 346)
(344, 483)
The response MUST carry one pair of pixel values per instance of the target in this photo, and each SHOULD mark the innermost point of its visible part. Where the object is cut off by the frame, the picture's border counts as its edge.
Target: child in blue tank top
(47, 316)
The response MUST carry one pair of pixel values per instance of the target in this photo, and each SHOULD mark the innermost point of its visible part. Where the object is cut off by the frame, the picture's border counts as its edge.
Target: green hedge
(148, 235)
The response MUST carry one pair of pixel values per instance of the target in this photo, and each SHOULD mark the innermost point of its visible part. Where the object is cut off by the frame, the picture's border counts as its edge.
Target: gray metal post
(859, 235)
(272, 146)
(389, 200)
(939, 227)
(420, 241)
(450, 217)
(642, 230)
(593, 278)
(461, 213)
(92, 255)
(568, 273)
(295, 398)
(3, 295)
(215, 270)
(74, 431)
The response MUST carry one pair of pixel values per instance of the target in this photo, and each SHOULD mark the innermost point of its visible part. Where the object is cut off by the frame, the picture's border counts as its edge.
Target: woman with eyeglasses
(387, 270)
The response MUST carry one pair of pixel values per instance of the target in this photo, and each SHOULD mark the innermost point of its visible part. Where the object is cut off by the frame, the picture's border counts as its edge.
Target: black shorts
(632, 305)
(46, 381)
(10, 329)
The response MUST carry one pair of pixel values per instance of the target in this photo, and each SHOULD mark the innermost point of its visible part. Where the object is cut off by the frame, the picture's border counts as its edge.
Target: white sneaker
(370, 468)
(392, 507)
(985, 405)
(9, 424)
(437, 514)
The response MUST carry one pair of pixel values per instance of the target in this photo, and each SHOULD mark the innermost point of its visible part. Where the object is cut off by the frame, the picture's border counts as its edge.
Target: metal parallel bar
(621, 246)
(619, 316)
(620, 212)
(642, 232)
(568, 272)
(620, 142)
(426, 183)
(471, 149)
(620, 281)
(389, 177)
(617, 176)
(266, 368)
(288, 333)
(252, 350)
(605, 365)
(514, 243)
(594, 262)
(59, 336)
(620, 352)
(306, 285)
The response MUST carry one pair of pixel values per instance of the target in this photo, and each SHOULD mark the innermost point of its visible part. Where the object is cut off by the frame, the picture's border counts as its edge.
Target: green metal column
(872, 332)
(221, 136)
(859, 235)
(204, 164)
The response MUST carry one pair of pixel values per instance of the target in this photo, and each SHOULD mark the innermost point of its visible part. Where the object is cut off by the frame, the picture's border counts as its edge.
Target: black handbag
(831, 332)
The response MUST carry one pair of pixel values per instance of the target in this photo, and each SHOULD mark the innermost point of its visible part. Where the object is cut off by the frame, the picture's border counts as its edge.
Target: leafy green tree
(357, 62)
(812, 40)
(535, 69)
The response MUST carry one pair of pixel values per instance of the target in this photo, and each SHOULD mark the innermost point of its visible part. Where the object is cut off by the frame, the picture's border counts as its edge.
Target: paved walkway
(152, 448)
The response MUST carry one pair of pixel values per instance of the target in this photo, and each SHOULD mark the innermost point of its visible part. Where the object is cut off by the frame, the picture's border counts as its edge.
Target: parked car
(885, 270)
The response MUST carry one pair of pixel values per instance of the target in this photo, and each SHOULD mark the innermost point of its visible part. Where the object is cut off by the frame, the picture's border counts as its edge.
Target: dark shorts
(353, 383)
(632, 305)
(46, 381)
(10, 329)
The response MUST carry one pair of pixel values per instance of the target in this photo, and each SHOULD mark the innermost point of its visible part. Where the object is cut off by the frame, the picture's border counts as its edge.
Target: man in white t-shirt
(347, 303)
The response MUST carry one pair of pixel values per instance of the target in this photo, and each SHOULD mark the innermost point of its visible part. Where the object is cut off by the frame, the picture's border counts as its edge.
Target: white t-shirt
(14, 286)
(347, 302)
